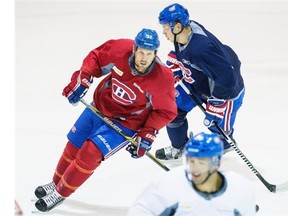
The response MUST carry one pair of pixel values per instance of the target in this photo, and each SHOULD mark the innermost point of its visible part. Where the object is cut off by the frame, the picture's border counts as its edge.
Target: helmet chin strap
(209, 174)
(214, 163)
(189, 176)
(175, 34)
(133, 65)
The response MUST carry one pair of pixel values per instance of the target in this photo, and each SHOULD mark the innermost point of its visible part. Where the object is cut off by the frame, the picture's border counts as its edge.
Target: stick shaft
(120, 131)
(270, 187)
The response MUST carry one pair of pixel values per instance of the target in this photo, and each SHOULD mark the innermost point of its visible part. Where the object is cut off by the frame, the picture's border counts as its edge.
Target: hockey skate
(169, 153)
(49, 201)
(43, 190)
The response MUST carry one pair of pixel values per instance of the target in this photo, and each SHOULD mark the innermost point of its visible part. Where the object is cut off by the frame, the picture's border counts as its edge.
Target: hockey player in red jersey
(137, 95)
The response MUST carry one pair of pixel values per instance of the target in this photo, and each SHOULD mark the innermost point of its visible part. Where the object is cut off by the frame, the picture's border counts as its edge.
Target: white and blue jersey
(175, 195)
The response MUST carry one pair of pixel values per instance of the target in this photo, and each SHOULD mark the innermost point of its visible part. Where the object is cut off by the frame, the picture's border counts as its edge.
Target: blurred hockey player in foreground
(198, 188)
(137, 94)
(206, 68)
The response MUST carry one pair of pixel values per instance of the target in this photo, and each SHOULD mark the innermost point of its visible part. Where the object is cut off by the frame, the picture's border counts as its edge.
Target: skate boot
(169, 153)
(43, 190)
(49, 201)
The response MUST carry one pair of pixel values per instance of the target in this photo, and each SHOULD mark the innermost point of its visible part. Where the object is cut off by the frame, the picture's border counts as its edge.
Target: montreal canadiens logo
(122, 93)
(186, 73)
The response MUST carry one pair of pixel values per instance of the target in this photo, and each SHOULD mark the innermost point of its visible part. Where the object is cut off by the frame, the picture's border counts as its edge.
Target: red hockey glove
(145, 138)
(174, 67)
(77, 88)
(215, 109)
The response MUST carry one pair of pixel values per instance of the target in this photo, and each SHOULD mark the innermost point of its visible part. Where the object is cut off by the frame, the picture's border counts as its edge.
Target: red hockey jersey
(136, 101)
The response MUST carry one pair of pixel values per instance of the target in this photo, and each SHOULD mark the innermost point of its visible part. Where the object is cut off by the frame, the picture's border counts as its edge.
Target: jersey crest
(122, 93)
(186, 73)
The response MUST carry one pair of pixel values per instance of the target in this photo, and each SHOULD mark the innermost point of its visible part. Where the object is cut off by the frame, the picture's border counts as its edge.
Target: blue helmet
(147, 39)
(173, 13)
(204, 145)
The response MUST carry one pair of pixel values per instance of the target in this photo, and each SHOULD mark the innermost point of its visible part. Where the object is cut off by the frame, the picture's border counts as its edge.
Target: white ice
(52, 39)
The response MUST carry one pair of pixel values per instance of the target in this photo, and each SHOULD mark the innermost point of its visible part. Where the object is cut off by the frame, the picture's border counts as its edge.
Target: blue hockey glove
(137, 152)
(215, 109)
(78, 86)
(145, 138)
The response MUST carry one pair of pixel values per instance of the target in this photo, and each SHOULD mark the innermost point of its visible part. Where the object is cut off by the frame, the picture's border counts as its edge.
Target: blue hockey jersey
(212, 68)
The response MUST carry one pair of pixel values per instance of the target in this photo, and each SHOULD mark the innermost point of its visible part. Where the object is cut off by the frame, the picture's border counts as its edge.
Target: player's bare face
(168, 32)
(199, 169)
(143, 59)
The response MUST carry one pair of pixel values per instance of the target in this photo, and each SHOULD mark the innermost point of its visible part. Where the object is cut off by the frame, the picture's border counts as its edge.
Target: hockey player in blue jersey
(198, 187)
(204, 67)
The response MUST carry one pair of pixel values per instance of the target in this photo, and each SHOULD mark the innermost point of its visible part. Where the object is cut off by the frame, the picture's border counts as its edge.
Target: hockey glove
(215, 109)
(174, 67)
(77, 88)
(145, 138)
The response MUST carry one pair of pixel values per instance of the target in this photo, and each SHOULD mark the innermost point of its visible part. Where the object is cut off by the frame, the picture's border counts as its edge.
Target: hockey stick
(120, 131)
(271, 187)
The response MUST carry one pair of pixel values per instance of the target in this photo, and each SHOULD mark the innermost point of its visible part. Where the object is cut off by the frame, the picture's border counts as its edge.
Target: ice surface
(53, 38)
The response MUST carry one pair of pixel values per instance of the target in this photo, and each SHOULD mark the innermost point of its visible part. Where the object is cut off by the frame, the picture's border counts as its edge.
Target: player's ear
(177, 28)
